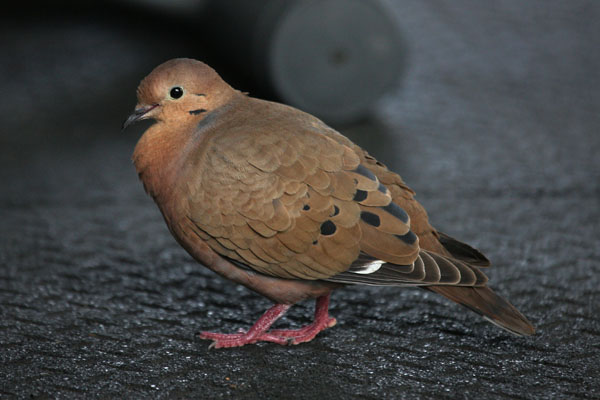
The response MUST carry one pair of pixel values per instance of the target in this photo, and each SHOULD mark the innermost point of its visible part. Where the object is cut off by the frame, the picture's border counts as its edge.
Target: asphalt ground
(495, 125)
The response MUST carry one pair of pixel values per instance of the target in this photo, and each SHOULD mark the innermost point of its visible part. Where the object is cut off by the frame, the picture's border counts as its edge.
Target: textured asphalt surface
(495, 125)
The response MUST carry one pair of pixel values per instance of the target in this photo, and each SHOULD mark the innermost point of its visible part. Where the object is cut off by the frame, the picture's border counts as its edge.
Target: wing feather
(312, 205)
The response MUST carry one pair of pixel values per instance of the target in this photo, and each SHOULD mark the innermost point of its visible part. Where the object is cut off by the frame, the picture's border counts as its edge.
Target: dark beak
(137, 115)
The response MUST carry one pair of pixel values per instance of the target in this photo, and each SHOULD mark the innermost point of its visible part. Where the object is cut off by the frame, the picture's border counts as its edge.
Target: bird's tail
(488, 304)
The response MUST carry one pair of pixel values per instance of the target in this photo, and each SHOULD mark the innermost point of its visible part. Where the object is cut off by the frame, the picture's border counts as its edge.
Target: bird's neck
(162, 153)
(157, 157)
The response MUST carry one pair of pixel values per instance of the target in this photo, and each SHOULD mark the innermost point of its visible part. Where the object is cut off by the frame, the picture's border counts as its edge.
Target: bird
(272, 198)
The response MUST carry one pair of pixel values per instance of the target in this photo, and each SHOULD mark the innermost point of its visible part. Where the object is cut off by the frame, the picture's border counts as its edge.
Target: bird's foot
(279, 336)
(222, 340)
(260, 330)
(305, 334)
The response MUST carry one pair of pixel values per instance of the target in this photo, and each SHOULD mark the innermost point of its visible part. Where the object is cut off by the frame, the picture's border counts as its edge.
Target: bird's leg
(321, 322)
(259, 331)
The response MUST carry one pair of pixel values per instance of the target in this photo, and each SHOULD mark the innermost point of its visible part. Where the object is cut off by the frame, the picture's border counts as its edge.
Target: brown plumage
(272, 198)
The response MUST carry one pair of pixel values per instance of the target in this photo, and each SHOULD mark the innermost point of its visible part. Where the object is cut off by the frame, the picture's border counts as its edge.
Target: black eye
(176, 92)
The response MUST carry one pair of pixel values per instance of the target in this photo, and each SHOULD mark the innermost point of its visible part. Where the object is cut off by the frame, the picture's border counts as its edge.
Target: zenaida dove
(273, 199)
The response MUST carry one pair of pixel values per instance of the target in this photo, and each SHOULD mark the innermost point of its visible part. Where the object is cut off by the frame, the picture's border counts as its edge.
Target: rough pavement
(495, 125)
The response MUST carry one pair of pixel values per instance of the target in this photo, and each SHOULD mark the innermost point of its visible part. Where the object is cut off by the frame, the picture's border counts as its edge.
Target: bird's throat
(157, 157)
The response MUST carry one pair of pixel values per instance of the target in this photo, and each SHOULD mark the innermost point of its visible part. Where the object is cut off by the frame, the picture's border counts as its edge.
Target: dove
(273, 199)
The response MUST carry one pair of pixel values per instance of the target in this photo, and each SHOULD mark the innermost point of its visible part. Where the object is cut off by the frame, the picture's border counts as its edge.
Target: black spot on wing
(328, 228)
(360, 195)
(336, 211)
(408, 238)
(306, 207)
(396, 211)
(370, 218)
(364, 171)
(196, 112)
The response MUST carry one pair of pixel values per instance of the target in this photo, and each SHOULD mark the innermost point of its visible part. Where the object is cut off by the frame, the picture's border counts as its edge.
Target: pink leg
(321, 322)
(256, 333)
(259, 331)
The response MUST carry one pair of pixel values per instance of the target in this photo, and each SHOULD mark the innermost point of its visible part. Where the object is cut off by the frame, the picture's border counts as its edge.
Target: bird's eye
(176, 92)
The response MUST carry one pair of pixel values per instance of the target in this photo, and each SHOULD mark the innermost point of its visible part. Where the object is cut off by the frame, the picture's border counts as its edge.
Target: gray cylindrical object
(332, 58)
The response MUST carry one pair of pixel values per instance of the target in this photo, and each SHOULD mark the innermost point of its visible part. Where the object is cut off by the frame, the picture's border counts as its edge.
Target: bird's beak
(139, 114)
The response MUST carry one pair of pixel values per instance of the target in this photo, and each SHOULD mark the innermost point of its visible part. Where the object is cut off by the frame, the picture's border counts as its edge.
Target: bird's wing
(429, 238)
(300, 205)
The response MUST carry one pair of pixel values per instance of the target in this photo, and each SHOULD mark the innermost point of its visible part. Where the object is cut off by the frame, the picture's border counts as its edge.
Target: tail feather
(492, 307)
(463, 251)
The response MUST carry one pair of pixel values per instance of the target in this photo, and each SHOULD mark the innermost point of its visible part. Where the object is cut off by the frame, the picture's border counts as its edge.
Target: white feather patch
(370, 267)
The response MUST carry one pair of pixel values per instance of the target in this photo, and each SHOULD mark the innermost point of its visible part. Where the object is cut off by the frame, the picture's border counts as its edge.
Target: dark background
(494, 121)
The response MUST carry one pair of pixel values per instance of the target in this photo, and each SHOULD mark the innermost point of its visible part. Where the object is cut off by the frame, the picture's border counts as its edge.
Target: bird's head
(180, 91)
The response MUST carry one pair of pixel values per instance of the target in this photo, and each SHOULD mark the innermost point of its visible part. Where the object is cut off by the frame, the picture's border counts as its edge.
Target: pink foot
(306, 334)
(260, 330)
